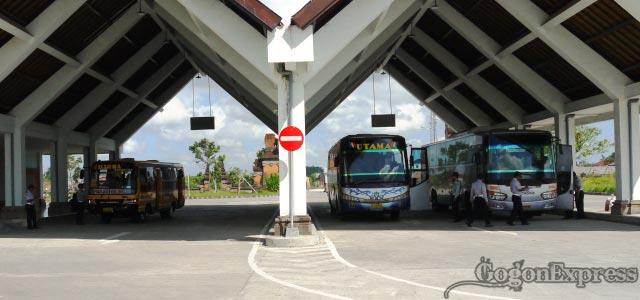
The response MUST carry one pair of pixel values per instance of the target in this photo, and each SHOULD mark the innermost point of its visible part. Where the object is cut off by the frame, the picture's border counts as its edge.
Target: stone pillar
(19, 165)
(570, 124)
(7, 196)
(61, 170)
(622, 148)
(634, 133)
(560, 126)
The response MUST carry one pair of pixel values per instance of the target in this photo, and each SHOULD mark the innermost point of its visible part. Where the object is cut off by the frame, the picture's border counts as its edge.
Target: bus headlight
(497, 196)
(548, 195)
(130, 202)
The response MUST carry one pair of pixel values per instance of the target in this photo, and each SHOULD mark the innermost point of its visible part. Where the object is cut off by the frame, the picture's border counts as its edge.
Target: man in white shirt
(480, 202)
(30, 207)
(516, 191)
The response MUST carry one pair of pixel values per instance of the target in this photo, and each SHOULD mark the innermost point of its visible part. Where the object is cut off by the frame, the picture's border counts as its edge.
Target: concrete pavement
(208, 251)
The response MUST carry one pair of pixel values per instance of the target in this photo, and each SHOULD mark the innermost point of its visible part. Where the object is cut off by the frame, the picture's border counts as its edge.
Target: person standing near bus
(81, 198)
(456, 189)
(480, 203)
(516, 198)
(30, 207)
(578, 194)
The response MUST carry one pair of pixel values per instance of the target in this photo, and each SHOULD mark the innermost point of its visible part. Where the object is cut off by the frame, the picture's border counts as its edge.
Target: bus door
(159, 188)
(564, 173)
(420, 186)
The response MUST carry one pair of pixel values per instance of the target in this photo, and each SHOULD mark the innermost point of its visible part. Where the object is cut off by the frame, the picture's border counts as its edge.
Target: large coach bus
(496, 156)
(368, 172)
(136, 188)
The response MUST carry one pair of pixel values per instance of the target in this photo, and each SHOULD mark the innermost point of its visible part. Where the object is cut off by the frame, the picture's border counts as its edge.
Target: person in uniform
(480, 203)
(516, 191)
(578, 194)
(456, 189)
(30, 207)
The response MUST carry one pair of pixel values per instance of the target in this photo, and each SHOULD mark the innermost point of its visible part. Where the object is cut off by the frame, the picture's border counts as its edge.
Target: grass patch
(599, 184)
(227, 194)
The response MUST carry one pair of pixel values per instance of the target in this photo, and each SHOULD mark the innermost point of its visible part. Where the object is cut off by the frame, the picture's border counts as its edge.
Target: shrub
(273, 183)
(599, 184)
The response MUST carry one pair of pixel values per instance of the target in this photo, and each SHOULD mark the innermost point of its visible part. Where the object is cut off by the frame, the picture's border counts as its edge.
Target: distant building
(267, 162)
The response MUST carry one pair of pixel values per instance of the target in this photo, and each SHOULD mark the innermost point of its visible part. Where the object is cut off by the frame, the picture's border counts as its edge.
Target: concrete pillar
(622, 148)
(570, 124)
(292, 112)
(7, 170)
(61, 170)
(19, 165)
(634, 151)
(560, 126)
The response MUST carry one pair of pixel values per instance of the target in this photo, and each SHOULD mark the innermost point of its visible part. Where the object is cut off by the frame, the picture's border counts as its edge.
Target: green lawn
(599, 184)
(227, 194)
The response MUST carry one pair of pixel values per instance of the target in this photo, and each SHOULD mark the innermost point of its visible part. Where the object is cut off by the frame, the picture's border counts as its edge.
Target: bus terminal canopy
(95, 71)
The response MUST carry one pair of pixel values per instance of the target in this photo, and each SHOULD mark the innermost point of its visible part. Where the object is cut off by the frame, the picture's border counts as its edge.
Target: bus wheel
(106, 218)
(395, 215)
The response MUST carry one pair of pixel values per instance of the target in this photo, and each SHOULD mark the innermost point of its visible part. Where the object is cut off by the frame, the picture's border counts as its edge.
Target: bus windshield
(113, 181)
(374, 166)
(529, 154)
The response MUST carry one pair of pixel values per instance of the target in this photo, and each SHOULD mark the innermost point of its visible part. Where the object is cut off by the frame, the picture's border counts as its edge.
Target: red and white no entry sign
(291, 138)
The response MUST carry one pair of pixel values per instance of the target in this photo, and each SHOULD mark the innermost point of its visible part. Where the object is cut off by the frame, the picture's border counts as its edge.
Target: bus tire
(106, 218)
(395, 215)
(167, 213)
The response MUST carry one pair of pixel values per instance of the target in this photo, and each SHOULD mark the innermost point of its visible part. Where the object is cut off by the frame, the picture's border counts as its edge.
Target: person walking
(81, 198)
(480, 203)
(578, 195)
(456, 189)
(516, 198)
(30, 207)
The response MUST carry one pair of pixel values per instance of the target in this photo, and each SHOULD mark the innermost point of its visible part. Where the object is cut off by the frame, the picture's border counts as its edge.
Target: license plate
(107, 209)
(376, 206)
(526, 206)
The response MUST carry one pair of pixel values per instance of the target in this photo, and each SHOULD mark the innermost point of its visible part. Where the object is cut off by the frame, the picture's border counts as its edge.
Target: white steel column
(560, 126)
(61, 152)
(7, 170)
(634, 150)
(291, 112)
(19, 165)
(622, 147)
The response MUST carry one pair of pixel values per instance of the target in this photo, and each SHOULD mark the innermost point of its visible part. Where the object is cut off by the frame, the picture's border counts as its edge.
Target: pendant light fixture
(382, 120)
(202, 123)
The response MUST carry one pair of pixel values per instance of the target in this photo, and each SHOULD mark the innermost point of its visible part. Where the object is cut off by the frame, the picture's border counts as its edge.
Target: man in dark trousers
(578, 196)
(30, 207)
(516, 191)
(480, 203)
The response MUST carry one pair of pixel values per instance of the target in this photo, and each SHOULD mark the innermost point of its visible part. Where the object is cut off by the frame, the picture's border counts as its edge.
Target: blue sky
(167, 136)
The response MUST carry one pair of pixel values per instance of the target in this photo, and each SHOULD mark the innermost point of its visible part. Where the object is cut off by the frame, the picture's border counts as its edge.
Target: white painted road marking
(251, 259)
(112, 239)
(497, 231)
(337, 256)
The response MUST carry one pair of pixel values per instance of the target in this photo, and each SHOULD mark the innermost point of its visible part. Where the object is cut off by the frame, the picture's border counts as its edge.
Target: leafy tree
(610, 159)
(260, 153)
(205, 152)
(314, 170)
(74, 166)
(273, 183)
(588, 143)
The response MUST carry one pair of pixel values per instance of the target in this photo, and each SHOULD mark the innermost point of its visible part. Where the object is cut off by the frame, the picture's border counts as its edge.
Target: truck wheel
(106, 218)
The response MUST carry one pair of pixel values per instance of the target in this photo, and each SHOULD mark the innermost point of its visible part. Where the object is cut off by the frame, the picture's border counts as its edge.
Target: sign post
(291, 139)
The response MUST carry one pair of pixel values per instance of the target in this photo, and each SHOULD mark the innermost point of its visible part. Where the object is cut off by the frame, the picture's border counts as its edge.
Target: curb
(606, 217)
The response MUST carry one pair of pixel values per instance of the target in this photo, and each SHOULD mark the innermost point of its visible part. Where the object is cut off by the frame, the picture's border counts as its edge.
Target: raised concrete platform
(292, 242)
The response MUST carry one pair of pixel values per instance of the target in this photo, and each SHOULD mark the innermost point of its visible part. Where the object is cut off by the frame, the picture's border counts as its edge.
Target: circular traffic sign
(291, 138)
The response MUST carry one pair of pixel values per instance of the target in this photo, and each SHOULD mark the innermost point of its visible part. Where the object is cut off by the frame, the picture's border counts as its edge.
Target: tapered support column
(622, 147)
(62, 176)
(7, 196)
(634, 133)
(19, 166)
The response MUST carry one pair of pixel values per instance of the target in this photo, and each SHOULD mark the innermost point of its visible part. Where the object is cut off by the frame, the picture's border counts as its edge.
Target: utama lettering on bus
(373, 146)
